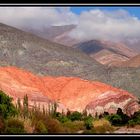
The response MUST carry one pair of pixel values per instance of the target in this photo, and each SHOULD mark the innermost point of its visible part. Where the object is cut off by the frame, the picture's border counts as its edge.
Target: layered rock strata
(70, 93)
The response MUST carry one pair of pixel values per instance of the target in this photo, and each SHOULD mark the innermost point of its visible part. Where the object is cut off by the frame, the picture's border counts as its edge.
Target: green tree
(43, 110)
(115, 119)
(19, 108)
(88, 122)
(75, 116)
(6, 106)
(25, 106)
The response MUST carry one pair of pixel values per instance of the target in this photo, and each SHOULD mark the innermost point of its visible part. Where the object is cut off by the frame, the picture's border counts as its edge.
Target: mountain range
(105, 52)
(72, 73)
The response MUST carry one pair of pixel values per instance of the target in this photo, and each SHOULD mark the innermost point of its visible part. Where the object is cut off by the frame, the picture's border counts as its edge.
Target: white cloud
(92, 24)
(36, 17)
(116, 25)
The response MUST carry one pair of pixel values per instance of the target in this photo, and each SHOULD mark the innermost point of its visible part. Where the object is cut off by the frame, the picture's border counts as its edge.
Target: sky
(115, 23)
(132, 10)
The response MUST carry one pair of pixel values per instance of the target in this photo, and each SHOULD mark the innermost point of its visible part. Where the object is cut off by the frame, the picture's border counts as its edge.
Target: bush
(123, 116)
(88, 122)
(75, 116)
(131, 123)
(62, 118)
(2, 125)
(40, 127)
(14, 126)
(102, 125)
(115, 119)
(53, 125)
(6, 107)
(136, 117)
(118, 119)
(74, 126)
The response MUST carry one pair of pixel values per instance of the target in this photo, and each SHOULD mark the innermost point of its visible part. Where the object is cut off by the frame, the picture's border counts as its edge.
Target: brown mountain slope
(70, 93)
(58, 34)
(133, 62)
(109, 50)
(109, 58)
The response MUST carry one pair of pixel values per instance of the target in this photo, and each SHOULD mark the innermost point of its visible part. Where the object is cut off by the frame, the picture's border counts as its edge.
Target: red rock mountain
(70, 93)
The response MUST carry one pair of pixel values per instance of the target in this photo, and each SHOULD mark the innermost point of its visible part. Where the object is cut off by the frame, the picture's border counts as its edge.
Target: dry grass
(27, 124)
(102, 126)
(74, 127)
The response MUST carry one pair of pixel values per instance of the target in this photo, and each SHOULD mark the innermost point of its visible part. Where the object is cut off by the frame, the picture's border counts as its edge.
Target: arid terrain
(94, 76)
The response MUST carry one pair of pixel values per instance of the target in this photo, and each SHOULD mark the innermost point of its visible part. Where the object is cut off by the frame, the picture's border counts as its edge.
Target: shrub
(123, 116)
(74, 126)
(25, 106)
(88, 122)
(2, 125)
(131, 123)
(75, 116)
(6, 107)
(115, 119)
(14, 126)
(102, 125)
(62, 118)
(53, 125)
(136, 117)
(118, 119)
(40, 127)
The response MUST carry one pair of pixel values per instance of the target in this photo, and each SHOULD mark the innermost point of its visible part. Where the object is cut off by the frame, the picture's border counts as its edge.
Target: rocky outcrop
(70, 93)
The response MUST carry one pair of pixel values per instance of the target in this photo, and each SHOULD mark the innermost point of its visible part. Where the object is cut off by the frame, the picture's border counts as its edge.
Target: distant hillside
(108, 58)
(58, 34)
(125, 78)
(25, 50)
(43, 57)
(114, 51)
(133, 62)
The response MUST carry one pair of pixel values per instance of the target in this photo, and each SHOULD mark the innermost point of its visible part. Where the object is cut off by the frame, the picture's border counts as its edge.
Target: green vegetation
(21, 119)
(6, 107)
(135, 119)
(14, 126)
(88, 122)
(102, 126)
(118, 119)
(75, 116)
(25, 106)
(40, 127)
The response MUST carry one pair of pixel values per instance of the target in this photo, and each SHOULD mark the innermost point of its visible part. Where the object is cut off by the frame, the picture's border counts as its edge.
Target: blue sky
(135, 11)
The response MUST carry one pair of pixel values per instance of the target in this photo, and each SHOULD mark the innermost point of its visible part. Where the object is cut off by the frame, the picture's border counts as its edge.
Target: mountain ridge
(70, 93)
